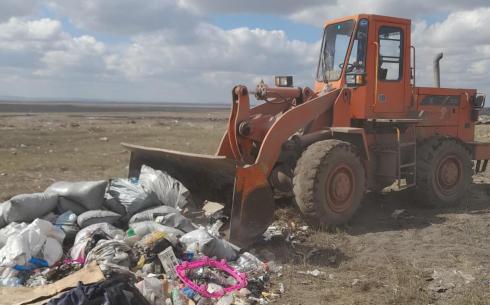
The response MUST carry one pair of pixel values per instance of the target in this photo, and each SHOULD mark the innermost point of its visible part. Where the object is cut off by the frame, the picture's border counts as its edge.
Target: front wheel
(329, 182)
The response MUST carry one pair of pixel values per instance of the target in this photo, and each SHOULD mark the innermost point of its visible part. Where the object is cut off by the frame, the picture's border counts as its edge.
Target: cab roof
(371, 17)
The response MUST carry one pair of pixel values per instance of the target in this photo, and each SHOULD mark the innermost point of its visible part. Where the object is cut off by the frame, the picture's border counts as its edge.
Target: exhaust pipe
(437, 70)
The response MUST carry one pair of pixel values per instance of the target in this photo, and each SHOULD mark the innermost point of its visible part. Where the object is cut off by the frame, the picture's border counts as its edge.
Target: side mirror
(479, 101)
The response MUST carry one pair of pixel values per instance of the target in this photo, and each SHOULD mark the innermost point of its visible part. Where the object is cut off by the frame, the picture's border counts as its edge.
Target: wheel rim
(339, 188)
(448, 174)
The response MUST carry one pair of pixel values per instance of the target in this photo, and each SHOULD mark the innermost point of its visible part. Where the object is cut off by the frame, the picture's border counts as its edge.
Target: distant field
(56, 107)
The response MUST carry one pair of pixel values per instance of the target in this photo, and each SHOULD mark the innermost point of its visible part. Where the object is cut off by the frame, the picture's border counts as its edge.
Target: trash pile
(136, 233)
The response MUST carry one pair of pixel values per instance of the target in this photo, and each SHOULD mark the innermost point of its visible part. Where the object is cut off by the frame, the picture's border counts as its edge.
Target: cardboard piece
(169, 262)
(39, 295)
(211, 208)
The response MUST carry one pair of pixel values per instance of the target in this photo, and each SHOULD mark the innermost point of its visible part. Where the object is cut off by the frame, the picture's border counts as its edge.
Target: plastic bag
(165, 215)
(110, 251)
(27, 207)
(68, 223)
(152, 289)
(3, 222)
(145, 227)
(85, 237)
(150, 214)
(200, 241)
(169, 191)
(250, 264)
(89, 194)
(97, 216)
(29, 242)
(52, 251)
(11, 229)
(132, 196)
(10, 282)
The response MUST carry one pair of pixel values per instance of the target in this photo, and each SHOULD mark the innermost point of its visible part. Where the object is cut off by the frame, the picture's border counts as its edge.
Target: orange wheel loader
(365, 125)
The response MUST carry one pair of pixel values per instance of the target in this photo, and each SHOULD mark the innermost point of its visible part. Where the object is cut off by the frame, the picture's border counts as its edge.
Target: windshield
(334, 49)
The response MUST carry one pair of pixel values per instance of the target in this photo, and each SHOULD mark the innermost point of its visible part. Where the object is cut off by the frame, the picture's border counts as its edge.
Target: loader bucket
(207, 177)
(245, 191)
(253, 206)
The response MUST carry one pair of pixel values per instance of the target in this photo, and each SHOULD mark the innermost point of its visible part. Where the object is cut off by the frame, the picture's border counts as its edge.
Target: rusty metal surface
(289, 123)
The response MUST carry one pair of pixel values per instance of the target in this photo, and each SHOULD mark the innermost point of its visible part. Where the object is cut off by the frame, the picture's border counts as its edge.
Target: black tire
(444, 171)
(329, 162)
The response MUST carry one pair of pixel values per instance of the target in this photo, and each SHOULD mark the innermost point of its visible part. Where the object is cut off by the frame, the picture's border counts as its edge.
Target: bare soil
(424, 256)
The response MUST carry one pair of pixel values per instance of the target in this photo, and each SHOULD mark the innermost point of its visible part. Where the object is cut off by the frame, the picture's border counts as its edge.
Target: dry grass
(479, 294)
(374, 260)
(408, 284)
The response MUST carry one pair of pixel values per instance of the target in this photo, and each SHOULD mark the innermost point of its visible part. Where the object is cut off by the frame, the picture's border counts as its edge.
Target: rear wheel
(444, 171)
(329, 182)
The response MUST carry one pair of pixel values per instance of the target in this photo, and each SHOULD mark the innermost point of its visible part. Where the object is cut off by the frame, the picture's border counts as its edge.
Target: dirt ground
(423, 256)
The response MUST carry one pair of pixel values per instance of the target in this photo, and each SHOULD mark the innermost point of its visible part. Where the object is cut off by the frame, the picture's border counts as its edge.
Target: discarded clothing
(116, 291)
(22, 295)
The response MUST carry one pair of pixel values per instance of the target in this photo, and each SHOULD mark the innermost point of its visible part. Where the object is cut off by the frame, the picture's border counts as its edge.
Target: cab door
(392, 82)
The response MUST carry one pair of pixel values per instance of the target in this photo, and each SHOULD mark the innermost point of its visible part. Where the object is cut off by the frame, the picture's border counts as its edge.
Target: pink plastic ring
(241, 278)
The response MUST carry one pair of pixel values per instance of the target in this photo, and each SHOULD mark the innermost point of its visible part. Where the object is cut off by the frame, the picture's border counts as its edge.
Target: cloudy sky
(196, 50)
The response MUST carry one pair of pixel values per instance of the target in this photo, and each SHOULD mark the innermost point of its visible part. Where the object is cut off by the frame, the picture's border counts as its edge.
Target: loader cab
(371, 55)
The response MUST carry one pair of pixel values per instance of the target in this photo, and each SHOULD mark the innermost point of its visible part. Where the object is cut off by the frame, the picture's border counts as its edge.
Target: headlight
(283, 81)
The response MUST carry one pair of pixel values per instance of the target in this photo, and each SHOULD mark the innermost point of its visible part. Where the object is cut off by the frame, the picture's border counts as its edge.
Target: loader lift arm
(236, 169)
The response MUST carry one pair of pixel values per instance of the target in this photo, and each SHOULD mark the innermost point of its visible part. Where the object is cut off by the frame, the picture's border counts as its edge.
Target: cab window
(357, 59)
(390, 60)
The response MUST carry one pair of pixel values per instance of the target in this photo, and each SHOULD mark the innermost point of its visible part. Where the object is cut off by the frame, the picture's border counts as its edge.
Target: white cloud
(79, 55)
(30, 49)
(20, 34)
(23, 42)
(127, 17)
(215, 61)
(174, 53)
(274, 7)
(465, 41)
(414, 9)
